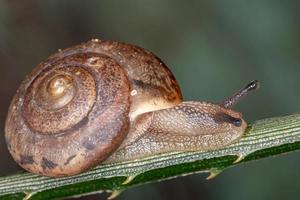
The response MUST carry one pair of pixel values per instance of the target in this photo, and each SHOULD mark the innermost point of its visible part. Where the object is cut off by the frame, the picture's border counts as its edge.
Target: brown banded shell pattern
(75, 108)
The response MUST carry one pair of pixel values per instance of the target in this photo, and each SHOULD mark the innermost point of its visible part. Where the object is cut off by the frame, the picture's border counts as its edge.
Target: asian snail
(103, 102)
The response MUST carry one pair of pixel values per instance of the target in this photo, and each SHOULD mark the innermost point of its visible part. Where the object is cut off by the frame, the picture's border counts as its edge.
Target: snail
(105, 102)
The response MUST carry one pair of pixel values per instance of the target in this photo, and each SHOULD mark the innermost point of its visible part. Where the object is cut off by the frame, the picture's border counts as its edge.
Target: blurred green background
(212, 47)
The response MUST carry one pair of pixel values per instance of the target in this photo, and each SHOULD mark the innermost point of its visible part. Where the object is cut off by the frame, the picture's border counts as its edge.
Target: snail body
(104, 101)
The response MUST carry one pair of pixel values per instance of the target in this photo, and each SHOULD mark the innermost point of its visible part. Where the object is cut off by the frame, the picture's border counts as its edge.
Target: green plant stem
(263, 138)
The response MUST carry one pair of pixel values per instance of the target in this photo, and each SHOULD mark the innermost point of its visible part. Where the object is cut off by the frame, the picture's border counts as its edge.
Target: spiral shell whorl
(58, 99)
(69, 114)
(56, 92)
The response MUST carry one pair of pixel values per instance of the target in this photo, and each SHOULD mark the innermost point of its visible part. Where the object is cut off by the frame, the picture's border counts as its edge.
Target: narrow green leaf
(263, 138)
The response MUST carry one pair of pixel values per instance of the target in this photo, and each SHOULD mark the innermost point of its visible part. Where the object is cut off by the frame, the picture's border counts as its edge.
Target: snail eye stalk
(244, 91)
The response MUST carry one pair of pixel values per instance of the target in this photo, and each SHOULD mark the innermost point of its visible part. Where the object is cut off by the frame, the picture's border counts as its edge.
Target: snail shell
(75, 108)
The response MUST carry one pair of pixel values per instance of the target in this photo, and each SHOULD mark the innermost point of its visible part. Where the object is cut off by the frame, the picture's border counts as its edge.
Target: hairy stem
(263, 138)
